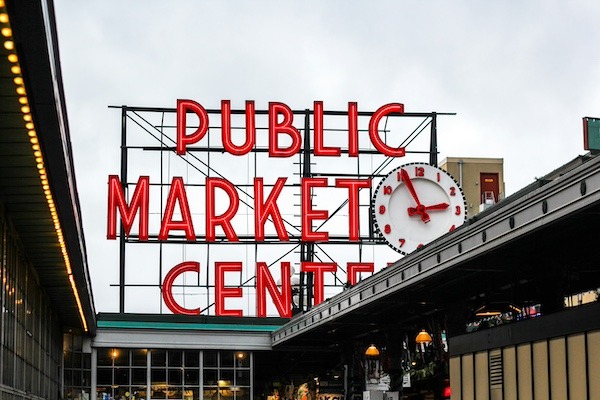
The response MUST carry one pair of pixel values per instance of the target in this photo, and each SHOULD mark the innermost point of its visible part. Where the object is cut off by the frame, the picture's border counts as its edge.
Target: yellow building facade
(481, 179)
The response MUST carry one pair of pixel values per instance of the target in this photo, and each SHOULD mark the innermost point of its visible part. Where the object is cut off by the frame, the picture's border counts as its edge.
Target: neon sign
(284, 141)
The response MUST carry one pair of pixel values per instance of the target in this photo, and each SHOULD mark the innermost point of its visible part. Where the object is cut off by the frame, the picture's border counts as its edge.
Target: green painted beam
(186, 326)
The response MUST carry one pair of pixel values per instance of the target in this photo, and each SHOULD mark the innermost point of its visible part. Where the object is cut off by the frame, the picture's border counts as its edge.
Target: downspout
(460, 172)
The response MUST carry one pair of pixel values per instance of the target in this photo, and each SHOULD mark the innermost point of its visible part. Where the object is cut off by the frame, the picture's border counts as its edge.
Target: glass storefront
(134, 374)
(77, 368)
(31, 338)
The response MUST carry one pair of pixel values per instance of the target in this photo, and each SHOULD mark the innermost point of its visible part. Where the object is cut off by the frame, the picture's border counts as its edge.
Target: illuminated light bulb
(40, 165)
(35, 147)
(9, 45)
(6, 32)
(23, 100)
(37, 153)
(25, 110)
(3, 17)
(27, 117)
(15, 69)
(39, 160)
(18, 81)
(29, 125)
(33, 140)
(13, 58)
(47, 191)
(43, 176)
(21, 90)
(32, 133)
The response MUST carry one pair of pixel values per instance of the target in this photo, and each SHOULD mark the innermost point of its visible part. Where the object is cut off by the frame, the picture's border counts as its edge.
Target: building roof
(46, 215)
(532, 247)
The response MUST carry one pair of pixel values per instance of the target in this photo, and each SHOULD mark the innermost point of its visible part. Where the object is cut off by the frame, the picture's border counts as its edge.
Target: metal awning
(535, 245)
(33, 33)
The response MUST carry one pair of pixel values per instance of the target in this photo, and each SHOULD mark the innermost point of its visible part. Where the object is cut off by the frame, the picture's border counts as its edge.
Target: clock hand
(422, 210)
(440, 206)
(409, 186)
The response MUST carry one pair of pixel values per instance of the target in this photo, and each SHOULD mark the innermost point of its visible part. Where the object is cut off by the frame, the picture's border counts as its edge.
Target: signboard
(251, 212)
(591, 133)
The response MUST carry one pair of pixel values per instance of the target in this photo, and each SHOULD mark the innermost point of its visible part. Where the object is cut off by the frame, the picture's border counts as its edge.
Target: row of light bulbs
(9, 45)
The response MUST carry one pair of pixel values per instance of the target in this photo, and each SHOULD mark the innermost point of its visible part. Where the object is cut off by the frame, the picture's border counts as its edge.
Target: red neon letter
(352, 129)
(224, 219)
(276, 128)
(183, 106)
(264, 280)
(353, 185)
(354, 268)
(228, 144)
(374, 129)
(319, 270)
(167, 287)
(308, 214)
(139, 202)
(221, 292)
(262, 211)
(177, 195)
(320, 149)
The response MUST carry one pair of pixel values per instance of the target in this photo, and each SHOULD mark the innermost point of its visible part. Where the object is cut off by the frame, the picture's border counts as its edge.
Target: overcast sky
(519, 74)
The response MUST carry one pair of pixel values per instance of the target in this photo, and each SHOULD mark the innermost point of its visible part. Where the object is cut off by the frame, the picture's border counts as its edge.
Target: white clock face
(415, 204)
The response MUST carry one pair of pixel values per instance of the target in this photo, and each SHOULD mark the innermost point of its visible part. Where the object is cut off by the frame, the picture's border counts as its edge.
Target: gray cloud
(520, 75)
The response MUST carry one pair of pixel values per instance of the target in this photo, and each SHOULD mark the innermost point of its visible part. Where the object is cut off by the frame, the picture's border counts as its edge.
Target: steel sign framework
(149, 147)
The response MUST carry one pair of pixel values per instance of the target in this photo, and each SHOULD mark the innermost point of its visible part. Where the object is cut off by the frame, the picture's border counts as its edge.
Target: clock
(415, 204)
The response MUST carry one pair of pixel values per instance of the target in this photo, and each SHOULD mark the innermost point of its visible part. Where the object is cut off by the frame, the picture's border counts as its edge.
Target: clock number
(419, 171)
(382, 209)
(458, 210)
(453, 227)
(420, 245)
(387, 190)
(402, 241)
(452, 191)
(438, 177)
(387, 228)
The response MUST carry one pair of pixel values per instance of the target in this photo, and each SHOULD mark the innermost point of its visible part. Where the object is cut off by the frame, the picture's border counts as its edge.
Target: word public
(280, 126)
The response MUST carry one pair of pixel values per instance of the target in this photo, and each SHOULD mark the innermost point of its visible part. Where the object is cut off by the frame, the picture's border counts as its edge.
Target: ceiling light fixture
(423, 337)
(372, 351)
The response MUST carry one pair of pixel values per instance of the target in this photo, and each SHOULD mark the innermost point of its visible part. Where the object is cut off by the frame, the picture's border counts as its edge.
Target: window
(174, 374)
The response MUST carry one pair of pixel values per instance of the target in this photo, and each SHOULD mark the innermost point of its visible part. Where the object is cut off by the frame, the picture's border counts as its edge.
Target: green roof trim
(186, 326)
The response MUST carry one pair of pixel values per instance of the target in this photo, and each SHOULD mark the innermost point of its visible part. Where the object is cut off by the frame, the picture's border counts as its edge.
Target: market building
(47, 303)
(491, 308)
